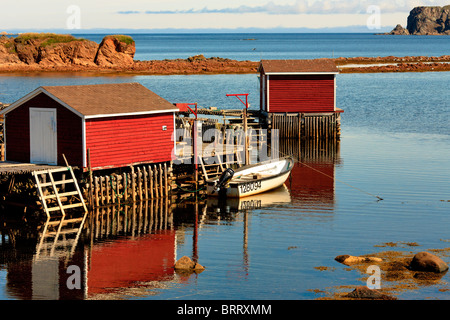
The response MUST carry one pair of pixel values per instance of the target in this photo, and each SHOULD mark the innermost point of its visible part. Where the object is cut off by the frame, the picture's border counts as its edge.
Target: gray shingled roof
(298, 66)
(106, 99)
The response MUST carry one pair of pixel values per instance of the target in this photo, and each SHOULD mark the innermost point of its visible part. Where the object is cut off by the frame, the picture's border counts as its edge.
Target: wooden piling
(145, 184)
(160, 180)
(305, 126)
(150, 179)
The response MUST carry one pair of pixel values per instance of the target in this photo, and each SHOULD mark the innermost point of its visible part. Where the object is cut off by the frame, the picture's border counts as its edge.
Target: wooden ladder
(53, 185)
(212, 169)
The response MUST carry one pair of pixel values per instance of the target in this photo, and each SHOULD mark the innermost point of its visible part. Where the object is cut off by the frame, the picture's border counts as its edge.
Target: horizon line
(345, 29)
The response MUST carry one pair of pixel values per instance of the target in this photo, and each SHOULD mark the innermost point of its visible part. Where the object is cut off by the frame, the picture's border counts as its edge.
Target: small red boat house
(120, 124)
(298, 86)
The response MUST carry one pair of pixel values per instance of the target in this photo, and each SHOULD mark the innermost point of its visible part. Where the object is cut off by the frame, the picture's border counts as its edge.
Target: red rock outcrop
(8, 54)
(52, 50)
(73, 53)
(116, 51)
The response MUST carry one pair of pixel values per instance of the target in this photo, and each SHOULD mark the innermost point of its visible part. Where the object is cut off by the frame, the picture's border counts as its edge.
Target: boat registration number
(250, 186)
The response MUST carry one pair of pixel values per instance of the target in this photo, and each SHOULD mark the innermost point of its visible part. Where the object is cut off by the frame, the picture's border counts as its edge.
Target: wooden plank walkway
(12, 167)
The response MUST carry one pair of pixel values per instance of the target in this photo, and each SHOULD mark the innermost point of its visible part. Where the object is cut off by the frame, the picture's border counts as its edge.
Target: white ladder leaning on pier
(49, 190)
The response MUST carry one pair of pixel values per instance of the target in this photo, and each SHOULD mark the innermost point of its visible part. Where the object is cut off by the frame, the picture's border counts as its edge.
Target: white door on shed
(43, 136)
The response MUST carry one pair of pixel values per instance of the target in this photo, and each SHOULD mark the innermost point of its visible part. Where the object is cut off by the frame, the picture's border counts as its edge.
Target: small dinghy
(250, 180)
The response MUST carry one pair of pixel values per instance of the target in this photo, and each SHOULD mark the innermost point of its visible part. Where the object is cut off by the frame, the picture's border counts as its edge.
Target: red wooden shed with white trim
(120, 124)
(298, 86)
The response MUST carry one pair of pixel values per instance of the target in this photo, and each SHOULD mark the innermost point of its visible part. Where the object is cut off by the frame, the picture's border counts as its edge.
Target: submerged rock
(425, 261)
(366, 293)
(349, 260)
(186, 264)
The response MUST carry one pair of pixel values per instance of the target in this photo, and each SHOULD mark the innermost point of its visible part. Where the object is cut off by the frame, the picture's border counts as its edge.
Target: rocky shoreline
(393, 64)
(215, 65)
(52, 53)
(152, 67)
(402, 270)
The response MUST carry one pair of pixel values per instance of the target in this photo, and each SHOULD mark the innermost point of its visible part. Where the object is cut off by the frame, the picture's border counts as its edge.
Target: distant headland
(61, 53)
(426, 21)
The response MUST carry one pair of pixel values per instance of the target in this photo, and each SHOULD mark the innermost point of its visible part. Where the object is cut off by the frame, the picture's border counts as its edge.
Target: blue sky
(203, 14)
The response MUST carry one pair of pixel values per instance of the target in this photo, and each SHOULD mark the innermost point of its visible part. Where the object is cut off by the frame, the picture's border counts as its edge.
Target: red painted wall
(301, 93)
(18, 132)
(119, 141)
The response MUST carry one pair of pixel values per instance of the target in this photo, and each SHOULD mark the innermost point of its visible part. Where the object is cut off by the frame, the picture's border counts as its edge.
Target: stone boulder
(368, 294)
(350, 260)
(185, 264)
(116, 51)
(425, 261)
(198, 57)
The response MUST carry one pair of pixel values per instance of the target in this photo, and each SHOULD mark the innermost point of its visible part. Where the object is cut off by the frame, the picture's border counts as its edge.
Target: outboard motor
(224, 178)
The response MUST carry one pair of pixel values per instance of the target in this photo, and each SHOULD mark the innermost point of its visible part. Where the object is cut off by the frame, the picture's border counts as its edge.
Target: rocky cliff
(426, 21)
(53, 50)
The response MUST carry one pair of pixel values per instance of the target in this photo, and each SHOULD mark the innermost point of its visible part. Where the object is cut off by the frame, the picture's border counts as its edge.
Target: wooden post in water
(133, 185)
(244, 115)
(125, 186)
(145, 184)
(139, 178)
(91, 183)
(166, 184)
(150, 178)
(160, 181)
(97, 200)
(246, 154)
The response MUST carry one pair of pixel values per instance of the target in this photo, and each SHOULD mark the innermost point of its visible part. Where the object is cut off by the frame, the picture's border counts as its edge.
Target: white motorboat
(250, 180)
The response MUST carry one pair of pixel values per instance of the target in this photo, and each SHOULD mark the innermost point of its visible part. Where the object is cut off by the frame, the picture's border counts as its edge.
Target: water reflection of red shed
(125, 263)
(313, 182)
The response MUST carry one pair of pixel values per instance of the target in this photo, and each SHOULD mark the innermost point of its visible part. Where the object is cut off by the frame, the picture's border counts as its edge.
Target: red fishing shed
(120, 124)
(298, 86)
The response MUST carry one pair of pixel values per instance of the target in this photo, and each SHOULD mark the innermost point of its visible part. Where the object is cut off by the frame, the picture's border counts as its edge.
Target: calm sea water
(395, 144)
(257, 46)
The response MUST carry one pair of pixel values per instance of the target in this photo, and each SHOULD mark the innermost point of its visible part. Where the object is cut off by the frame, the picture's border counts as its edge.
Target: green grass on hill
(47, 38)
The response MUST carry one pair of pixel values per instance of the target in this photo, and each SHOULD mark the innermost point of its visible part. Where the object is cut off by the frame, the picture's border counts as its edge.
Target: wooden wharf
(16, 168)
(138, 183)
(169, 180)
(316, 126)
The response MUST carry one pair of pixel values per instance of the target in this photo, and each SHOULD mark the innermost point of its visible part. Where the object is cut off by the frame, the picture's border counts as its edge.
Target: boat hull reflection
(278, 196)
